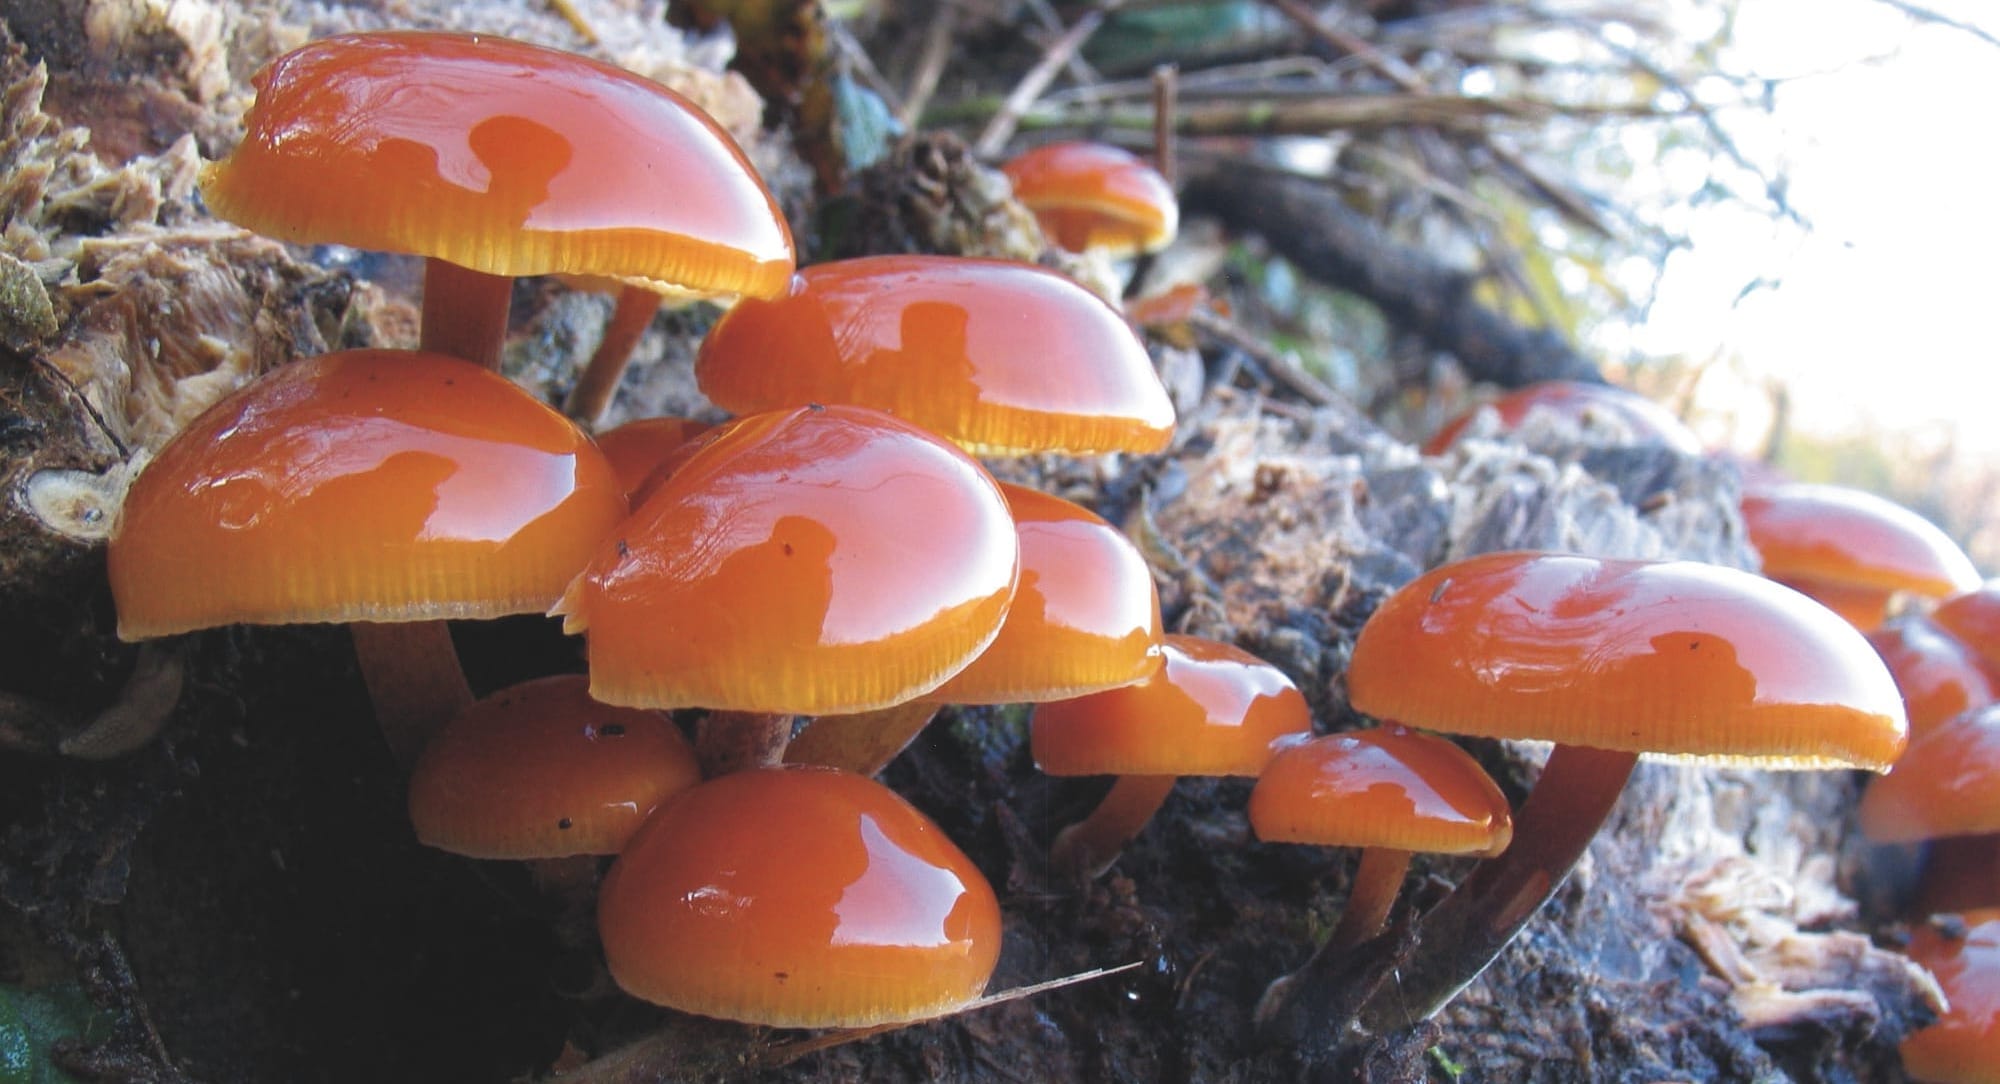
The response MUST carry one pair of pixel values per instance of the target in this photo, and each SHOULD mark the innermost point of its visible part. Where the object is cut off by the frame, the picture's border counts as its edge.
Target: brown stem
(1087, 848)
(465, 312)
(1377, 882)
(1463, 934)
(862, 743)
(598, 384)
(413, 678)
(735, 741)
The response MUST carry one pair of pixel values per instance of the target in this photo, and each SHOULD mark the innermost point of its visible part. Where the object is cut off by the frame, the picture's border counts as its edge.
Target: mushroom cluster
(836, 551)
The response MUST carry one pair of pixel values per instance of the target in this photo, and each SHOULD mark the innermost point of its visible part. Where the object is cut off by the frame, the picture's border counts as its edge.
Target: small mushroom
(386, 489)
(540, 770)
(805, 561)
(1963, 1046)
(1211, 709)
(1852, 550)
(798, 897)
(1085, 617)
(1391, 791)
(1939, 676)
(1945, 786)
(1644, 420)
(1000, 358)
(1608, 659)
(494, 158)
(1094, 196)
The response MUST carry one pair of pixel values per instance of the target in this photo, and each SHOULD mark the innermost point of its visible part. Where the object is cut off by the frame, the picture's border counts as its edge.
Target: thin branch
(1926, 15)
(1001, 127)
(930, 64)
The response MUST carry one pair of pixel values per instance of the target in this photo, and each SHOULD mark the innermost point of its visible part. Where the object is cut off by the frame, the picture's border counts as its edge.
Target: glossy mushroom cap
(1383, 787)
(806, 561)
(1211, 709)
(637, 449)
(1946, 784)
(1085, 614)
(1647, 421)
(1667, 657)
(798, 897)
(998, 357)
(540, 770)
(503, 157)
(368, 485)
(1095, 196)
(1836, 541)
(1963, 1046)
(1939, 676)
(1973, 619)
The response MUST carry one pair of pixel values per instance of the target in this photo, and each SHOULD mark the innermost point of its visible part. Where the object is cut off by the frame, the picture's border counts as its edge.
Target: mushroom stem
(413, 678)
(1087, 848)
(598, 383)
(734, 741)
(465, 312)
(1458, 938)
(1377, 882)
(863, 743)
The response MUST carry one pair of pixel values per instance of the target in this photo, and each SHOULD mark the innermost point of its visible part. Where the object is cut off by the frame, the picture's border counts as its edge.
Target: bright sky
(1889, 311)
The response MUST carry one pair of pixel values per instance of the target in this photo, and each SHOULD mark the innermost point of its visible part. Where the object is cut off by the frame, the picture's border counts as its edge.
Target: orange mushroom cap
(638, 448)
(540, 770)
(368, 485)
(1085, 614)
(1667, 657)
(503, 157)
(1211, 709)
(1578, 401)
(1095, 196)
(1383, 787)
(1973, 619)
(805, 561)
(1822, 537)
(1939, 676)
(1947, 783)
(798, 897)
(1963, 1046)
(999, 357)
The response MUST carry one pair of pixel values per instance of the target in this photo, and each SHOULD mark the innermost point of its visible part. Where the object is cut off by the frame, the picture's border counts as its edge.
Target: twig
(930, 64)
(1001, 127)
(1166, 105)
(1279, 366)
(1926, 15)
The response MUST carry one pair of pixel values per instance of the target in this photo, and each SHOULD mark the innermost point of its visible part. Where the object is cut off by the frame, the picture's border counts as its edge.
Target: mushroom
(539, 770)
(1963, 1046)
(638, 449)
(806, 561)
(1947, 785)
(1095, 197)
(1580, 402)
(1393, 792)
(1211, 709)
(798, 896)
(1085, 617)
(494, 158)
(1852, 550)
(1939, 676)
(1973, 619)
(1000, 358)
(386, 489)
(1608, 659)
